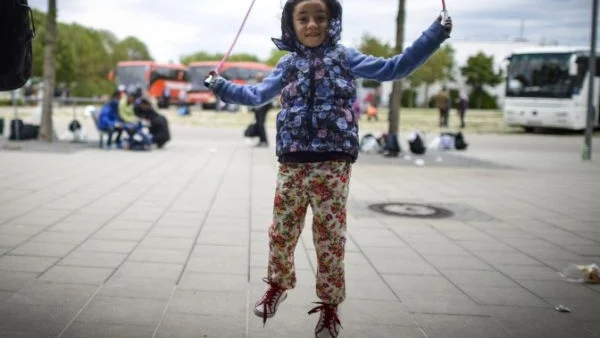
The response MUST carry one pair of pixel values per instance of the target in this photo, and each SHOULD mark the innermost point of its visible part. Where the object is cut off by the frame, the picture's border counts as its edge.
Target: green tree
(92, 62)
(131, 49)
(479, 72)
(370, 45)
(243, 57)
(204, 56)
(198, 56)
(438, 68)
(83, 56)
(275, 56)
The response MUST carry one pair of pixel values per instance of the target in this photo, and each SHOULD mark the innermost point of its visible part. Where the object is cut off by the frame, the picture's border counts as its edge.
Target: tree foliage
(204, 56)
(478, 73)
(131, 48)
(438, 68)
(275, 56)
(84, 56)
(370, 45)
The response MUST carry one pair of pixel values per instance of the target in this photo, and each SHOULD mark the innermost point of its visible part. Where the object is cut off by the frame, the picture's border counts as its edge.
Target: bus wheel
(529, 129)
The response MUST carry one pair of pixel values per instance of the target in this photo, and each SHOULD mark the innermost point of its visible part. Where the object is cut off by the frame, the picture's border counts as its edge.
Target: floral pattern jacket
(317, 86)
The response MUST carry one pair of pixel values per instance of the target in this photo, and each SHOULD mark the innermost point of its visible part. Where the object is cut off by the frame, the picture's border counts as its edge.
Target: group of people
(130, 112)
(317, 142)
(443, 103)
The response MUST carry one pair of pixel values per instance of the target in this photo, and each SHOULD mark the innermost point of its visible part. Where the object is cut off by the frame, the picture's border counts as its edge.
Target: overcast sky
(174, 28)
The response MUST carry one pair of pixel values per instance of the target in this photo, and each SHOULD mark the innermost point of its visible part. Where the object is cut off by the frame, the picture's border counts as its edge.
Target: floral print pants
(324, 186)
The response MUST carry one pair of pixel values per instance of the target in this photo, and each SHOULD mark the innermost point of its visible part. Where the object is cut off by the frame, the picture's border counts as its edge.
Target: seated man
(158, 124)
(109, 120)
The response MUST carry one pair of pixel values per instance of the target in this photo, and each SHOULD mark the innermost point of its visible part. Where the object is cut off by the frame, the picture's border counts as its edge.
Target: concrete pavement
(173, 243)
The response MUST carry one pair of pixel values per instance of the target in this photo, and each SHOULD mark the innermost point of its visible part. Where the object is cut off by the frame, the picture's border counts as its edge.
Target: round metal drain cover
(411, 210)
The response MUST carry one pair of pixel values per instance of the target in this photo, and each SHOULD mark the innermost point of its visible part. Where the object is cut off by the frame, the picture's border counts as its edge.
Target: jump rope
(209, 79)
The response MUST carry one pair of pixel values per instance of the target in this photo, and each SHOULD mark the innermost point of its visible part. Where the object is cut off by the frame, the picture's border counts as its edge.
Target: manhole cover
(411, 210)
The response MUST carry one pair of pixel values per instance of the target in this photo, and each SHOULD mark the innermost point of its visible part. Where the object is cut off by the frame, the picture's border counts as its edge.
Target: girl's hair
(332, 6)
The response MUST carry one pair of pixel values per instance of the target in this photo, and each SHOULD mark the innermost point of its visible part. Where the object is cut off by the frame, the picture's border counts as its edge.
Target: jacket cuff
(218, 85)
(437, 31)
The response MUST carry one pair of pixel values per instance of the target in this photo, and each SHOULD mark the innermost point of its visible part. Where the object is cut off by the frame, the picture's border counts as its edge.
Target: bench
(95, 116)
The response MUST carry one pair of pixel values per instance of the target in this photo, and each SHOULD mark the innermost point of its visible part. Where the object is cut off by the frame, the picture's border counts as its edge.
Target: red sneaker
(329, 324)
(267, 305)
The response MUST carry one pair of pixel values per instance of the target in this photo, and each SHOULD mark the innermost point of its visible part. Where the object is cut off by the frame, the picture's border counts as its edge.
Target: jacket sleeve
(106, 117)
(252, 95)
(401, 65)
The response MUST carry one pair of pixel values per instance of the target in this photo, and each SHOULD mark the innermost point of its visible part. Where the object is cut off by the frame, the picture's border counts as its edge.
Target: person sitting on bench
(110, 122)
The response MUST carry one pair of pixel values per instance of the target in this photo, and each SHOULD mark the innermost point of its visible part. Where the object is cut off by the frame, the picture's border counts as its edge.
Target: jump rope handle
(445, 15)
(209, 79)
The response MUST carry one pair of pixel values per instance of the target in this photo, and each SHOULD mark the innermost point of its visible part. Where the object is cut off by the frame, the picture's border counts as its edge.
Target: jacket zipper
(311, 99)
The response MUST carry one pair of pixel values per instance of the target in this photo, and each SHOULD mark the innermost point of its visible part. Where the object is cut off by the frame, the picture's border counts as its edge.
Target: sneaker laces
(270, 297)
(329, 316)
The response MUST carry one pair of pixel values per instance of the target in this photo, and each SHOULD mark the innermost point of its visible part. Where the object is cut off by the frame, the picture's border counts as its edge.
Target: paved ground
(173, 243)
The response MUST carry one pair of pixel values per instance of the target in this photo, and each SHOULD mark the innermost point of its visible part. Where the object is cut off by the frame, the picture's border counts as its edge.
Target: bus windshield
(131, 76)
(198, 74)
(540, 75)
(169, 74)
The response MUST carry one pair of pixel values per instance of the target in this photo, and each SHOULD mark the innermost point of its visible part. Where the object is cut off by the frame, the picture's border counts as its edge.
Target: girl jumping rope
(317, 142)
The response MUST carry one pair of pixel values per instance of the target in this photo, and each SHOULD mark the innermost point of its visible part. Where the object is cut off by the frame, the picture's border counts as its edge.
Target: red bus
(238, 72)
(153, 78)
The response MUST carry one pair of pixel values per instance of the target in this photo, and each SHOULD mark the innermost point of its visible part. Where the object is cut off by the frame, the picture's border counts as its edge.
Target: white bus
(548, 87)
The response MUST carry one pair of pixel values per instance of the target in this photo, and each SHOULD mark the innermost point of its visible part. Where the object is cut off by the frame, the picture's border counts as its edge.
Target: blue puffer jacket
(109, 115)
(317, 86)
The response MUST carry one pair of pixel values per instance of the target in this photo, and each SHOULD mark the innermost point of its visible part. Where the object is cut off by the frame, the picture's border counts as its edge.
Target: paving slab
(174, 242)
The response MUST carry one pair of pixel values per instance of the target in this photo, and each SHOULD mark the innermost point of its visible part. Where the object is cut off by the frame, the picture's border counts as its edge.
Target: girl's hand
(211, 79)
(447, 23)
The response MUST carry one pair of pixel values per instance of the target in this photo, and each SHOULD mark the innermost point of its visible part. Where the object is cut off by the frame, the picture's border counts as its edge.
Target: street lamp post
(589, 130)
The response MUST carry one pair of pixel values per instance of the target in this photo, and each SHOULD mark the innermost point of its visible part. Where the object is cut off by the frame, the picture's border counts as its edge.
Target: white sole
(260, 314)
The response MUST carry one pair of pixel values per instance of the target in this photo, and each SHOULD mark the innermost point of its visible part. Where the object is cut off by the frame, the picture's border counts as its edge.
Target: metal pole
(16, 113)
(589, 130)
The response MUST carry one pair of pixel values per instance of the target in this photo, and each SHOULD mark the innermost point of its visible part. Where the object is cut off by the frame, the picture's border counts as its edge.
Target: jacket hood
(289, 42)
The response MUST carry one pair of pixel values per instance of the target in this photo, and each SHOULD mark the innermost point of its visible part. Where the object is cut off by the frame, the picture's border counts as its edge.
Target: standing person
(165, 99)
(442, 102)
(260, 114)
(463, 104)
(184, 110)
(373, 100)
(317, 142)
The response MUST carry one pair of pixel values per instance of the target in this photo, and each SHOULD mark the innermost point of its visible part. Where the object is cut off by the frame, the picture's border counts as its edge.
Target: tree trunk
(426, 103)
(46, 128)
(394, 125)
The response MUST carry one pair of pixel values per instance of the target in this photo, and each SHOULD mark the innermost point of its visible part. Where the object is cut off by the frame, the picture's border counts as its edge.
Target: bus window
(231, 73)
(245, 74)
(539, 75)
(131, 76)
(198, 74)
(167, 73)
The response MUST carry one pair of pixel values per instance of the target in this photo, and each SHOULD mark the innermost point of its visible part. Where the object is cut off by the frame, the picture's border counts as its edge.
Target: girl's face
(311, 22)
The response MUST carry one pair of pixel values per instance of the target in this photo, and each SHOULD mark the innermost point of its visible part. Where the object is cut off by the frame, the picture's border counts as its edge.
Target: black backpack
(16, 32)
(459, 142)
(417, 146)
